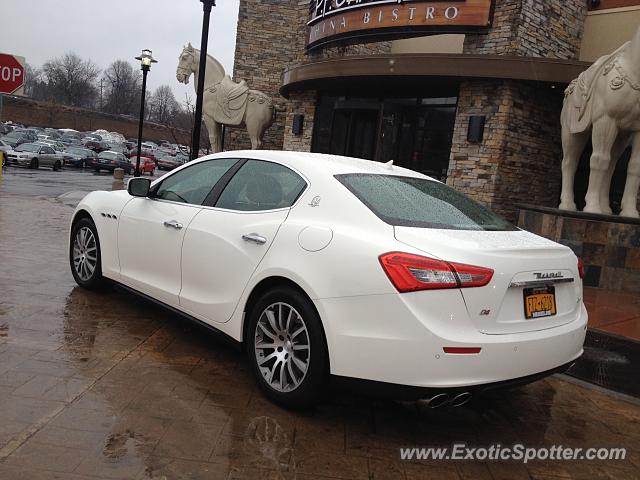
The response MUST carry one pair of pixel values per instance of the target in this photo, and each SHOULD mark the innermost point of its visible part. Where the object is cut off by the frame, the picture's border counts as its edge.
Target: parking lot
(99, 385)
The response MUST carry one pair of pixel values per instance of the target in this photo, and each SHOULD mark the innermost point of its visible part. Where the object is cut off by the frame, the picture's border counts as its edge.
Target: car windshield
(28, 147)
(107, 155)
(420, 202)
(77, 151)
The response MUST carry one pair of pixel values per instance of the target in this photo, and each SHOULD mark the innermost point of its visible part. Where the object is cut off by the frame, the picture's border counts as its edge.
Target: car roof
(320, 163)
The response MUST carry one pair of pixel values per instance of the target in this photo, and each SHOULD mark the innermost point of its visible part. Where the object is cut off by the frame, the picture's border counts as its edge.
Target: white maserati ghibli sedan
(330, 267)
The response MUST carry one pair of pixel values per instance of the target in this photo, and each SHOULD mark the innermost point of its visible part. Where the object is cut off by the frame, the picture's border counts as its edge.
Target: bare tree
(34, 85)
(71, 80)
(122, 88)
(164, 105)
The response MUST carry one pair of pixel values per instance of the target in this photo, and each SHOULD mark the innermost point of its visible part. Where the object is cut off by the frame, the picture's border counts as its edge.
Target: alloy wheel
(85, 253)
(282, 347)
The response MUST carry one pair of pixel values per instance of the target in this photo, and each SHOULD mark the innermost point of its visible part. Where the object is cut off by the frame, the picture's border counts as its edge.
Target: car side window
(193, 184)
(261, 185)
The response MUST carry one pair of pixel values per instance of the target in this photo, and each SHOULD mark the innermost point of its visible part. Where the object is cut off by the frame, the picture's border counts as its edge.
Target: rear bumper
(381, 338)
(404, 392)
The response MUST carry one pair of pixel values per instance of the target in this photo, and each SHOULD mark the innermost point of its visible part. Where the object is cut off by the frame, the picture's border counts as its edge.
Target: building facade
(478, 109)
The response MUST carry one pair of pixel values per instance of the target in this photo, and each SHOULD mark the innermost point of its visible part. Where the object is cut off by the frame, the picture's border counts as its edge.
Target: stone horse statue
(226, 102)
(604, 103)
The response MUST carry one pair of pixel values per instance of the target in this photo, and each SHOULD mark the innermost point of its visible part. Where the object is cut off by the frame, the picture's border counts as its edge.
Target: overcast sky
(105, 31)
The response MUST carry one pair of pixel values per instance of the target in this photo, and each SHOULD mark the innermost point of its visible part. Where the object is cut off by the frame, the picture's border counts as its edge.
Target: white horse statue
(604, 103)
(226, 102)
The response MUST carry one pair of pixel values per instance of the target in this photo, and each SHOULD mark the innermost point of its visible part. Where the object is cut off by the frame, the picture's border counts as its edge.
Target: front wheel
(34, 164)
(287, 348)
(84, 254)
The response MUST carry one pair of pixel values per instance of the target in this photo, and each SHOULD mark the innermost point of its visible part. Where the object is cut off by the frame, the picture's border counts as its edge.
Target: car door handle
(173, 224)
(254, 238)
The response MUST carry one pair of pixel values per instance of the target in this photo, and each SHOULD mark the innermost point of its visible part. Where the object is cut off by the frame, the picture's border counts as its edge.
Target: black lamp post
(145, 65)
(197, 125)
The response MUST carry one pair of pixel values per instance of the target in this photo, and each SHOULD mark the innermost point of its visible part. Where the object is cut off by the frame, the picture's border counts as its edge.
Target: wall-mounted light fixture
(475, 133)
(298, 124)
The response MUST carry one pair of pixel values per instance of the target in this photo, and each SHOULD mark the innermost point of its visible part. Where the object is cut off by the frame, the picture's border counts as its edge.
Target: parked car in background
(5, 148)
(118, 147)
(57, 146)
(52, 132)
(143, 153)
(31, 133)
(167, 162)
(97, 146)
(14, 139)
(70, 140)
(78, 156)
(34, 156)
(147, 165)
(108, 160)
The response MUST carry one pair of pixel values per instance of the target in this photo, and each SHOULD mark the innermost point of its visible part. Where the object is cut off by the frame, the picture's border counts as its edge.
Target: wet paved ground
(614, 312)
(105, 385)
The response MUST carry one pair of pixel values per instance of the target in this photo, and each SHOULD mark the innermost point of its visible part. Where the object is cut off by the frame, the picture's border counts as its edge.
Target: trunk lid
(520, 260)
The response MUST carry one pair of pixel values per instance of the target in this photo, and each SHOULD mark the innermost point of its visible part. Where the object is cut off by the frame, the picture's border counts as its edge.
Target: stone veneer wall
(518, 160)
(304, 103)
(533, 28)
(271, 38)
(609, 248)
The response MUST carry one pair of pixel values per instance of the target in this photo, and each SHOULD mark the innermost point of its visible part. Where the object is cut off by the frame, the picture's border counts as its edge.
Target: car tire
(56, 166)
(292, 372)
(34, 164)
(86, 268)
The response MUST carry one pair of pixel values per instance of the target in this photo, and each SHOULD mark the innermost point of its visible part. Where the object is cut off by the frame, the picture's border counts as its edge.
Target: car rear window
(419, 202)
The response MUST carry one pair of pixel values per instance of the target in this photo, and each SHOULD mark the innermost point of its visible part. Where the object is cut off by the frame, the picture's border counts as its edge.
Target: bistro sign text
(353, 20)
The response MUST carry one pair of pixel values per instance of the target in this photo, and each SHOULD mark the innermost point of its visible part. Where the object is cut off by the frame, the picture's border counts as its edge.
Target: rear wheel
(56, 166)
(84, 254)
(287, 348)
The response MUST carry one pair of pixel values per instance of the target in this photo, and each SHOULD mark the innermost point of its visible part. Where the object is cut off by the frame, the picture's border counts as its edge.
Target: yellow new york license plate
(539, 302)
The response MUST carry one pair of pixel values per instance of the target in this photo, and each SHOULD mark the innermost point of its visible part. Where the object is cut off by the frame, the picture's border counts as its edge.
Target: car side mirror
(139, 187)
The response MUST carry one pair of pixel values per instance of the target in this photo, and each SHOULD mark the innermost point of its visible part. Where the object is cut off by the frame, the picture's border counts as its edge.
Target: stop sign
(11, 74)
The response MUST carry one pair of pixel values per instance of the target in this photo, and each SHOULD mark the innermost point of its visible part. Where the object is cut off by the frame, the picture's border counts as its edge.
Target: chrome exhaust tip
(437, 401)
(460, 400)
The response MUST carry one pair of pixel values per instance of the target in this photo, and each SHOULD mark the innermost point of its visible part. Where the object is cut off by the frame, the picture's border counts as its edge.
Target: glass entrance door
(415, 133)
(354, 132)
(418, 134)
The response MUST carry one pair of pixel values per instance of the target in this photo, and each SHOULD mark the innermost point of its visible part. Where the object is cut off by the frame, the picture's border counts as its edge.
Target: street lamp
(145, 65)
(195, 141)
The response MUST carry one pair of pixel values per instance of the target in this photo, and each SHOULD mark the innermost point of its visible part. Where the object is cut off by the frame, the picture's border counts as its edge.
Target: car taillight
(580, 268)
(410, 273)
(114, 162)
